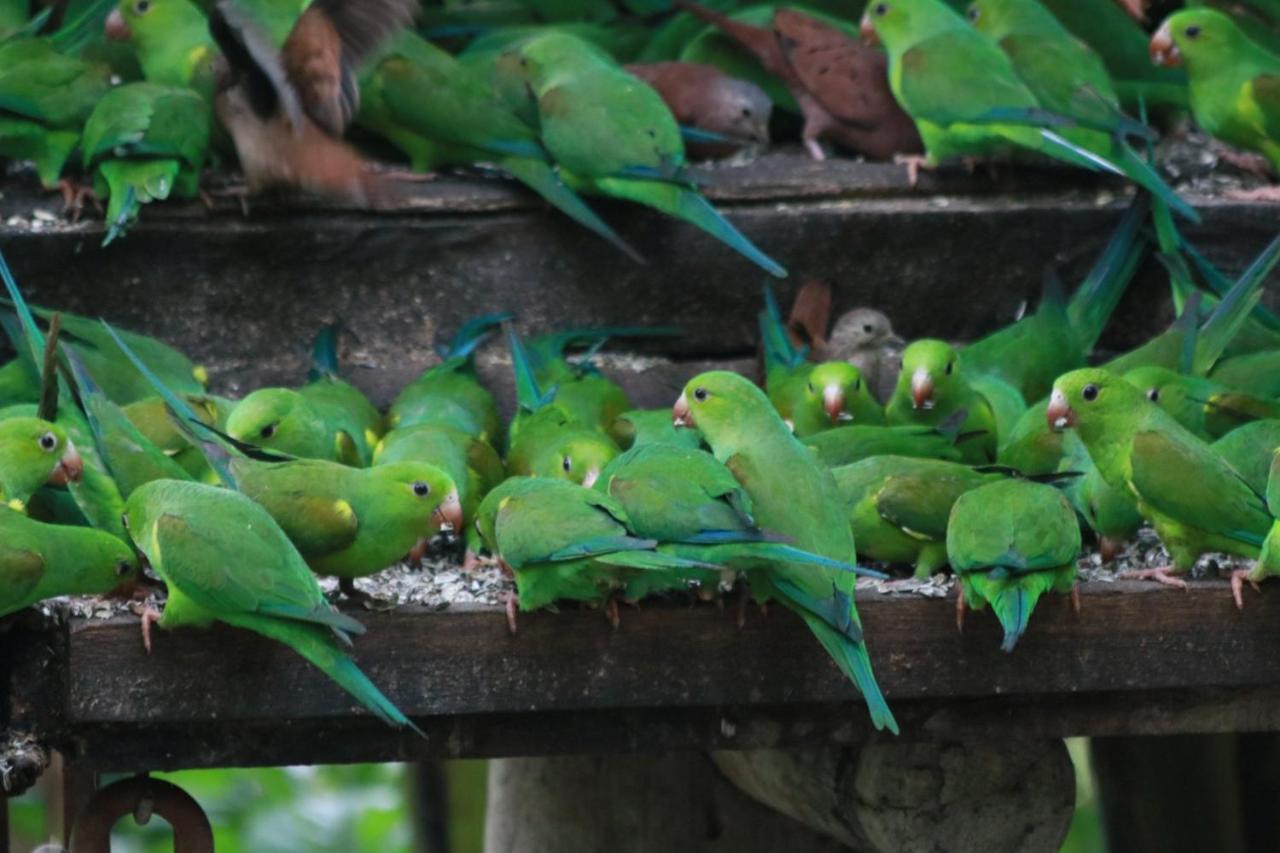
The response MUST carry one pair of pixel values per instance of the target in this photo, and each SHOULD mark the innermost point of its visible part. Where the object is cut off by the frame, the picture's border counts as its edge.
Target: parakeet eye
(123, 568)
(48, 441)
(974, 13)
(421, 489)
(700, 394)
(1192, 31)
(950, 366)
(1090, 392)
(566, 464)
(868, 328)
(267, 431)
(142, 6)
(1154, 395)
(811, 388)
(880, 9)
(857, 385)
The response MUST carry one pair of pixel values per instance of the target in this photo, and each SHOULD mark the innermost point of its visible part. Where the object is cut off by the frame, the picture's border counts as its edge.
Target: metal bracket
(142, 796)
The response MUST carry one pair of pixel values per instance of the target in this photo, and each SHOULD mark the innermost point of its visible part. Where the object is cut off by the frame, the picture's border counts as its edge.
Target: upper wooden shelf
(1138, 659)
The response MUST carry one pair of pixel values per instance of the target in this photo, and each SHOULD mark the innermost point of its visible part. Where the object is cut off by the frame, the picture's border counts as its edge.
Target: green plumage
(224, 559)
(932, 388)
(1009, 542)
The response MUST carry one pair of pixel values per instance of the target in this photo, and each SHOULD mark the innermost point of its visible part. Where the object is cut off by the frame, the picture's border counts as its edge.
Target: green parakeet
(1030, 353)
(1235, 82)
(563, 541)
(849, 444)
(609, 133)
(898, 507)
(45, 98)
(793, 495)
(967, 98)
(1207, 408)
(811, 397)
(1009, 543)
(328, 418)
(144, 142)
(19, 384)
(1249, 450)
(224, 559)
(1122, 44)
(34, 452)
(39, 561)
(1194, 499)
(471, 462)
(651, 426)
(449, 393)
(1269, 558)
(171, 39)
(151, 418)
(932, 387)
(581, 391)
(440, 112)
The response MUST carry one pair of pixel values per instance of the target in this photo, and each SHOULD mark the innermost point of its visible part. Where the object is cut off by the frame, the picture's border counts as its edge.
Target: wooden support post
(1170, 793)
(632, 804)
(430, 797)
(895, 796)
(68, 789)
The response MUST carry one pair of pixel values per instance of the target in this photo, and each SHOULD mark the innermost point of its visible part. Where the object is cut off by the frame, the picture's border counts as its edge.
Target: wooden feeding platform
(955, 256)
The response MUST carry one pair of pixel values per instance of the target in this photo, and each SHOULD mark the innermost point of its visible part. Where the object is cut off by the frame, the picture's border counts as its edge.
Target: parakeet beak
(68, 469)
(1162, 50)
(1059, 415)
(680, 414)
(833, 404)
(449, 513)
(869, 34)
(117, 29)
(922, 389)
(589, 480)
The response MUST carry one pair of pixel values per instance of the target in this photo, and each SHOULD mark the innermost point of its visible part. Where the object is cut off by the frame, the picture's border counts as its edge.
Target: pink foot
(611, 612)
(511, 612)
(815, 150)
(470, 560)
(914, 163)
(149, 617)
(1075, 598)
(1109, 549)
(1271, 193)
(1245, 161)
(960, 608)
(74, 197)
(1238, 577)
(1160, 574)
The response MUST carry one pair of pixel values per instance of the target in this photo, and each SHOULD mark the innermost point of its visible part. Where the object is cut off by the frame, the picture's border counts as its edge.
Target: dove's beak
(1162, 50)
(69, 467)
(1059, 415)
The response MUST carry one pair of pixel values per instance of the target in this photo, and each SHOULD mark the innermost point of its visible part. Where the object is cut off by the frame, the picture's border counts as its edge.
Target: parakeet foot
(1109, 549)
(369, 602)
(914, 163)
(406, 175)
(611, 612)
(1238, 577)
(1245, 161)
(470, 560)
(240, 192)
(1075, 598)
(510, 603)
(74, 197)
(743, 597)
(815, 150)
(1271, 193)
(149, 616)
(960, 608)
(1160, 574)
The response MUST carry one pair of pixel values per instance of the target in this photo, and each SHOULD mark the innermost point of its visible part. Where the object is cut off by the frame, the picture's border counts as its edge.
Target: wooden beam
(1137, 660)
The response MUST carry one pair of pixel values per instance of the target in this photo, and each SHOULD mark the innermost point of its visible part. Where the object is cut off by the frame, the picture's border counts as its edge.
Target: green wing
(920, 504)
(1193, 485)
(20, 573)
(1265, 91)
(958, 76)
(146, 120)
(540, 526)
(1065, 76)
(230, 564)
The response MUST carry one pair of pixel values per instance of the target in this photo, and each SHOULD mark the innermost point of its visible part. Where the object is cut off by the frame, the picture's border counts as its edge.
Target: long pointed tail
(542, 179)
(1138, 170)
(683, 203)
(1093, 303)
(853, 662)
(319, 647)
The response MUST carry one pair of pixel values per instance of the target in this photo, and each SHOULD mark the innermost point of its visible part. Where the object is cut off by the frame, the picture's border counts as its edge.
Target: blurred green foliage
(1085, 834)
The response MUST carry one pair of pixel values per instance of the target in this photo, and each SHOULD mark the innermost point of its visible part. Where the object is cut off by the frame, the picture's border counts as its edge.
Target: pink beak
(68, 469)
(869, 34)
(1059, 415)
(1162, 50)
(589, 480)
(117, 29)
(680, 414)
(833, 404)
(449, 512)
(922, 389)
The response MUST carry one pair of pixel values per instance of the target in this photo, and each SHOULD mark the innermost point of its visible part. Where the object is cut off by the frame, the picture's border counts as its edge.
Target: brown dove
(703, 97)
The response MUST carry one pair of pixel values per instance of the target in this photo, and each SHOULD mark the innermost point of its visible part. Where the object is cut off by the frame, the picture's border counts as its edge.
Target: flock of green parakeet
(601, 97)
(991, 459)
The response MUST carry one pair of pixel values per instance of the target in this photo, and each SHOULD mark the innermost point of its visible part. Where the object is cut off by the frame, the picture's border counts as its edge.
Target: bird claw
(1246, 161)
(612, 614)
(470, 561)
(240, 192)
(510, 604)
(1160, 574)
(1075, 598)
(74, 197)
(149, 617)
(815, 151)
(1271, 193)
(1238, 577)
(914, 163)
(960, 608)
